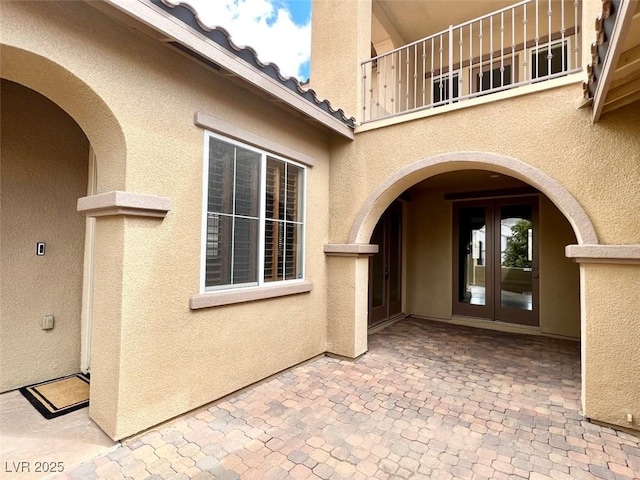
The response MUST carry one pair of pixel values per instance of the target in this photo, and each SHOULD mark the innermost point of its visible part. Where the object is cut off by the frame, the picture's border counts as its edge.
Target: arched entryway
(352, 324)
(394, 186)
(57, 134)
(476, 247)
(45, 169)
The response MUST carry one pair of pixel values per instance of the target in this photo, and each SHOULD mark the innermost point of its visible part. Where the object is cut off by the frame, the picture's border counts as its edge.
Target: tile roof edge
(603, 26)
(184, 12)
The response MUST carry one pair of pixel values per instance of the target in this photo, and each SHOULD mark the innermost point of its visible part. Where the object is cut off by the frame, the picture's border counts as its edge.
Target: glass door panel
(517, 262)
(516, 255)
(473, 226)
(472, 250)
(495, 260)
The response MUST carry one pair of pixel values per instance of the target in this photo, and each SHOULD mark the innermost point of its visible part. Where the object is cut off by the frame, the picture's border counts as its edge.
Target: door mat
(57, 397)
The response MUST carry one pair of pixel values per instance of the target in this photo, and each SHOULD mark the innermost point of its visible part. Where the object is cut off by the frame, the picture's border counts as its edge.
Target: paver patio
(429, 400)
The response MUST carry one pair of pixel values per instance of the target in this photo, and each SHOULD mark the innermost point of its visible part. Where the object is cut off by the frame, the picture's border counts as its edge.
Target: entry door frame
(391, 253)
(87, 277)
(493, 310)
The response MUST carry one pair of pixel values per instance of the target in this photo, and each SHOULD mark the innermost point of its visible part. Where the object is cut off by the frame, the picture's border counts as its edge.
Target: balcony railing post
(364, 92)
(450, 97)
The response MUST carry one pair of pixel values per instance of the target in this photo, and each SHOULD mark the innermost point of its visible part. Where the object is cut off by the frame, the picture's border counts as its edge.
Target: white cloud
(262, 25)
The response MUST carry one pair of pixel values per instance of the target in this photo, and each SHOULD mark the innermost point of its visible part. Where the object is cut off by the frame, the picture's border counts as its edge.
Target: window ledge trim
(213, 124)
(350, 249)
(119, 202)
(249, 294)
(613, 254)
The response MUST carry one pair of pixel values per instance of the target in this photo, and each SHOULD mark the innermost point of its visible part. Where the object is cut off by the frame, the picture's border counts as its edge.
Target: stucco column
(106, 321)
(612, 335)
(609, 279)
(340, 40)
(111, 273)
(348, 271)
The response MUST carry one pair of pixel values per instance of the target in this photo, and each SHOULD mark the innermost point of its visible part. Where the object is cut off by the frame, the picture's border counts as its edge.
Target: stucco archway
(408, 176)
(75, 96)
(80, 101)
(382, 196)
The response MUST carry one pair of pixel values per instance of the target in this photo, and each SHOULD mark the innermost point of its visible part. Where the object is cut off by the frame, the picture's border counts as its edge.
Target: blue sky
(300, 10)
(278, 30)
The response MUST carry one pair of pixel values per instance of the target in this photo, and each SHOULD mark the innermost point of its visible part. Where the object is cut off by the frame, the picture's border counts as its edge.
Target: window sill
(220, 298)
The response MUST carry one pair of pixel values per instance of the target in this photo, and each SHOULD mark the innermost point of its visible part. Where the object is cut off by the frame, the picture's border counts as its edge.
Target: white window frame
(544, 47)
(456, 76)
(508, 59)
(261, 219)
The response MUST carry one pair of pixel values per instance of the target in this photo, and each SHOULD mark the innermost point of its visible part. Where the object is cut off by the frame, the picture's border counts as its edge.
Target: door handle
(386, 274)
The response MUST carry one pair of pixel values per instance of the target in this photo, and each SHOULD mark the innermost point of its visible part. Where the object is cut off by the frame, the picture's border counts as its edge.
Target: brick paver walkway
(428, 400)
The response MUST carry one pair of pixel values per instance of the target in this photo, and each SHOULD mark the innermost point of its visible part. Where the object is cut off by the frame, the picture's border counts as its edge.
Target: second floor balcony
(520, 44)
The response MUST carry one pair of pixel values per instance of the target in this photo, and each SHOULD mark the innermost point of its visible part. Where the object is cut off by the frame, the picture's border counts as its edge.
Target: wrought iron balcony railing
(531, 41)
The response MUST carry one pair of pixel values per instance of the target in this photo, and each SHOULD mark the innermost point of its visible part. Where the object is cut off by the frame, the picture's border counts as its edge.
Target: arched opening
(78, 141)
(43, 92)
(60, 142)
(410, 175)
(438, 195)
(45, 169)
(475, 246)
(564, 220)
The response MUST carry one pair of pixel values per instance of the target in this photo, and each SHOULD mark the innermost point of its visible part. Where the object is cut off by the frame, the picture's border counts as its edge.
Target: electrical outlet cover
(47, 322)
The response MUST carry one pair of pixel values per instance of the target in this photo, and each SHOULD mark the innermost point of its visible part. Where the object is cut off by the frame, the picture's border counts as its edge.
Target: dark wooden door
(385, 267)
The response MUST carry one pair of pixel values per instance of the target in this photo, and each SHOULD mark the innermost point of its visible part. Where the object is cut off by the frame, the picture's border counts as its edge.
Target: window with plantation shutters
(254, 224)
(283, 225)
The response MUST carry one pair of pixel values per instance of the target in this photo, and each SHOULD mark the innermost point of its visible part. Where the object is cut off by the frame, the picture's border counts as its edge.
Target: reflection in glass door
(517, 263)
(496, 269)
(473, 278)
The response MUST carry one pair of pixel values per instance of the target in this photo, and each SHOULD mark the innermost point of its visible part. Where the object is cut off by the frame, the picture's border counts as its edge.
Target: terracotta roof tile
(219, 35)
(603, 26)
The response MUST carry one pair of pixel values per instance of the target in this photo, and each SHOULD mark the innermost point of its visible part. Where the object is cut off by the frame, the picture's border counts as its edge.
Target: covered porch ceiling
(405, 21)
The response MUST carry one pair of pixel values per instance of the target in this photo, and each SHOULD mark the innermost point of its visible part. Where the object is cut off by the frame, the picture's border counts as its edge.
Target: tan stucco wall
(611, 346)
(152, 357)
(430, 267)
(43, 170)
(563, 145)
(596, 165)
(428, 247)
(559, 275)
